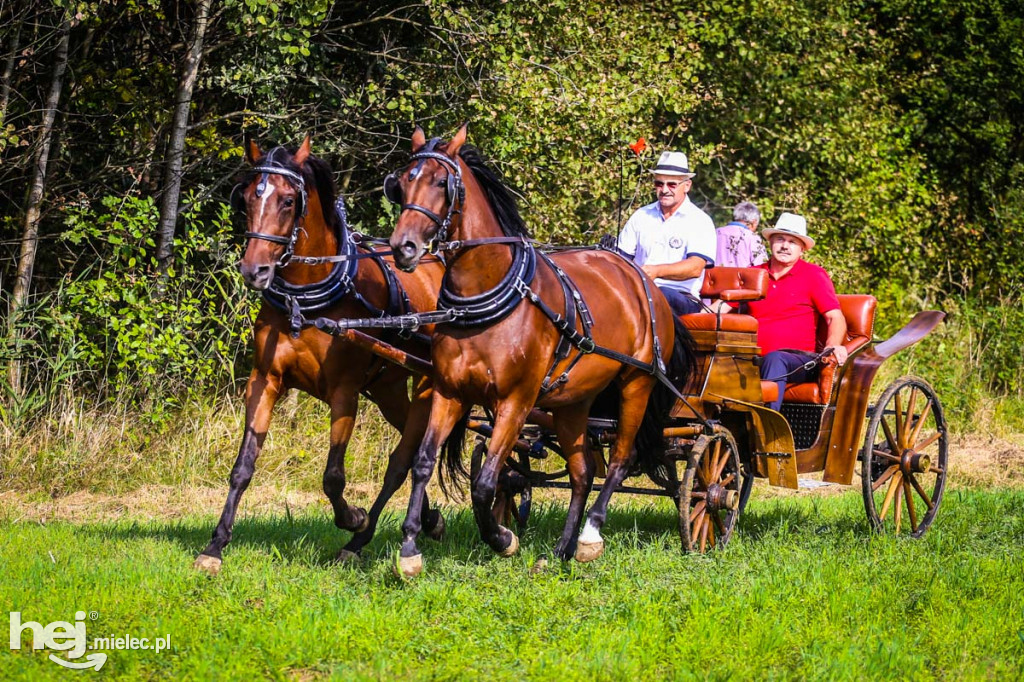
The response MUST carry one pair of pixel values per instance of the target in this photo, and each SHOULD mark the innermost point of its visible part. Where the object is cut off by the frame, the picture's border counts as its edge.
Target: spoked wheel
(514, 498)
(710, 493)
(904, 460)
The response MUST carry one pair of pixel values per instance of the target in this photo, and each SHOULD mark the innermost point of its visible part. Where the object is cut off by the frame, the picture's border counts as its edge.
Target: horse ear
(253, 153)
(303, 152)
(460, 139)
(418, 138)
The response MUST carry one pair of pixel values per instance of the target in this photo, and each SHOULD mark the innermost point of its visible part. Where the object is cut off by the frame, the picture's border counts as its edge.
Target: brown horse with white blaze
(513, 310)
(289, 202)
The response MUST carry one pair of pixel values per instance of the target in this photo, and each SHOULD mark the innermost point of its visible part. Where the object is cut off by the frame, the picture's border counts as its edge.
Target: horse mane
(501, 198)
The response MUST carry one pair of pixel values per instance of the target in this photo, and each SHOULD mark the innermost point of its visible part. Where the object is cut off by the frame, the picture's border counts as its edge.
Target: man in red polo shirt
(799, 293)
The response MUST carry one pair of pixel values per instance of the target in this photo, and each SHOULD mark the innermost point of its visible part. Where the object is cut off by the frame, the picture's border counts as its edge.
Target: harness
(298, 301)
(455, 190)
(499, 301)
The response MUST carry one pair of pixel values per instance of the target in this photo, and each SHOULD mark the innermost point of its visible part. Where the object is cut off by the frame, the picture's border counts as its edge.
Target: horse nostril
(409, 249)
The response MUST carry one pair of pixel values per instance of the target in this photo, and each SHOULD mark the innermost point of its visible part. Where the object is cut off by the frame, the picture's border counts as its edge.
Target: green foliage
(894, 125)
(132, 335)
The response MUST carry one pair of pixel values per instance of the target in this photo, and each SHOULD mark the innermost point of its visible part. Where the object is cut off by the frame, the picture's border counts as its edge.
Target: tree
(176, 147)
(30, 234)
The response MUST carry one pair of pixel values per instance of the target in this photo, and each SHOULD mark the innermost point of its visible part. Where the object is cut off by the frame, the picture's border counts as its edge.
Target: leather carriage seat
(729, 284)
(859, 311)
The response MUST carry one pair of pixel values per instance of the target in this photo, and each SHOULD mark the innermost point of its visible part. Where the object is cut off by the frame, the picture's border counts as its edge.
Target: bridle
(299, 183)
(455, 191)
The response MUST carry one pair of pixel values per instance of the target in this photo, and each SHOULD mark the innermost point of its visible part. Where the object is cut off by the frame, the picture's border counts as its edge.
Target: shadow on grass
(310, 538)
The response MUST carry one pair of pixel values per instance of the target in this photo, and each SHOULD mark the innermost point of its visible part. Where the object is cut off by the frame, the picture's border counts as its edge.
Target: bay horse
(289, 203)
(526, 328)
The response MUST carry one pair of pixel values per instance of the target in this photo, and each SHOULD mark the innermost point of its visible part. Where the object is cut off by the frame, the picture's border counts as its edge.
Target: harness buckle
(587, 345)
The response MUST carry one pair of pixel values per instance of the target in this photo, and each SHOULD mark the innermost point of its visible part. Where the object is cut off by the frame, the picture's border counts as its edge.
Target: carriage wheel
(513, 509)
(904, 460)
(710, 493)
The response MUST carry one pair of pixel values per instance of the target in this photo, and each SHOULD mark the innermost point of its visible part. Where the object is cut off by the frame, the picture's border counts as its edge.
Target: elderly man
(739, 245)
(799, 294)
(671, 239)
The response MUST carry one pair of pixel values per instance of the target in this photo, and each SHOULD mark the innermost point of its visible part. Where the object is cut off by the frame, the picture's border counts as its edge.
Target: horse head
(274, 198)
(430, 192)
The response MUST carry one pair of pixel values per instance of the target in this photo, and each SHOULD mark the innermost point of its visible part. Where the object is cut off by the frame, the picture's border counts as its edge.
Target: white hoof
(588, 551)
(347, 558)
(539, 566)
(437, 532)
(207, 564)
(512, 548)
(408, 566)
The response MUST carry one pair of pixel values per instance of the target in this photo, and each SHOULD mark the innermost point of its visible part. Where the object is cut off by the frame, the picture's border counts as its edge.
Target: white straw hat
(791, 224)
(673, 163)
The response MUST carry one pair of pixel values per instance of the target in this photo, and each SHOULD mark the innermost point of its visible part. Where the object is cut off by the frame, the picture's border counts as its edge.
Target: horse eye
(442, 182)
(289, 202)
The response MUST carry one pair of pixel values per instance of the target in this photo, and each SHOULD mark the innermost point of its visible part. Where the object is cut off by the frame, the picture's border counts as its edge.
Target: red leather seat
(729, 284)
(721, 323)
(859, 311)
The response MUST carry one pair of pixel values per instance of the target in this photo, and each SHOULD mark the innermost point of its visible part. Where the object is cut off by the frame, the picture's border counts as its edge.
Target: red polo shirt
(787, 317)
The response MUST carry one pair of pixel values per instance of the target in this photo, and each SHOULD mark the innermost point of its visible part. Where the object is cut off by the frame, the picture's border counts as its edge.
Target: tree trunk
(5, 82)
(176, 148)
(30, 235)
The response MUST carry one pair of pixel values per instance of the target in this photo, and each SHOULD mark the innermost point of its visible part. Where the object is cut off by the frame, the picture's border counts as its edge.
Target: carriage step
(811, 484)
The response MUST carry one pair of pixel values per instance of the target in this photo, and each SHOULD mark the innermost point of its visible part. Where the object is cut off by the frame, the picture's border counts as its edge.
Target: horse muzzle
(407, 254)
(257, 277)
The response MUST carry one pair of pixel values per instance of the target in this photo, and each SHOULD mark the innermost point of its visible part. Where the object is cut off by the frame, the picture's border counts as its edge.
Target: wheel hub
(720, 497)
(914, 463)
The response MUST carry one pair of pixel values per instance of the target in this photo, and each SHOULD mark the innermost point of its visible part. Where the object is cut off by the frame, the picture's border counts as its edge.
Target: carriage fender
(773, 441)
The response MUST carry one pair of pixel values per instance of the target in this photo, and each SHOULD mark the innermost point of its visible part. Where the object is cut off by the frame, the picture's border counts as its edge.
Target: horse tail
(453, 469)
(650, 441)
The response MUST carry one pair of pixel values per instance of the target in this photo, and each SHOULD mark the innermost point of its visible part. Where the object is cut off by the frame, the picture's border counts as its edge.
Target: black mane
(501, 198)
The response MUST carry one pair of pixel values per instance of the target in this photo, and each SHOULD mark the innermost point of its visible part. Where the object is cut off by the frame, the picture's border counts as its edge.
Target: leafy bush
(119, 329)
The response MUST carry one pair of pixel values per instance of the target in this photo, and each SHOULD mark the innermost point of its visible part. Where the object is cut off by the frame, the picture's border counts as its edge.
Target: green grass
(803, 591)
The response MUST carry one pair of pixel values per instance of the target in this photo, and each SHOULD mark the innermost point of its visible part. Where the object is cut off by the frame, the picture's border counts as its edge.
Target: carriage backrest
(859, 311)
(735, 284)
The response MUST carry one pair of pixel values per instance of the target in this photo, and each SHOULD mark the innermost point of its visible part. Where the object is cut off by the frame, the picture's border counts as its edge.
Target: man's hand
(839, 353)
(651, 271)
(608, 242)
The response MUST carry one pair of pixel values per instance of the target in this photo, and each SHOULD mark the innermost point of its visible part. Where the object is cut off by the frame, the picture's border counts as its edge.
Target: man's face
(786, 249)
(671, 191)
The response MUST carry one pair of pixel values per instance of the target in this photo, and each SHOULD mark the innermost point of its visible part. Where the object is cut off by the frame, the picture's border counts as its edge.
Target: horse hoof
(588, 551)
(208, 564)
(512, 548)
(347, 558)
(408, 566)
(437, 532)
(364, 525)
(539, 566)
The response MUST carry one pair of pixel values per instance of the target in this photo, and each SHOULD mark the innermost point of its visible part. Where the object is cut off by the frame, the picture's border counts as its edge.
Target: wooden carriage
(723, 435)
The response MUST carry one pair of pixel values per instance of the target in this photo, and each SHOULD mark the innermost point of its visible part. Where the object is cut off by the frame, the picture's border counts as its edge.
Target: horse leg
(399, 463)
(261, 394)
(344, 403)
(570, 425)
(508, 423)
(445, 413)
(635, 393)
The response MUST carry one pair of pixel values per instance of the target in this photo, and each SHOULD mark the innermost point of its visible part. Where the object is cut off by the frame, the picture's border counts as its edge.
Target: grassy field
(803, 591)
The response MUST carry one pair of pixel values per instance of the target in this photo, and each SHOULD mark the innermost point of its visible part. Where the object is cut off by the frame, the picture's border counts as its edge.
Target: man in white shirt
(671, 239)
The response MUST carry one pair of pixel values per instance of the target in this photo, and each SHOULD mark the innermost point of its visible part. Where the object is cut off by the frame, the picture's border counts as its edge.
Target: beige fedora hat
(791, 224)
